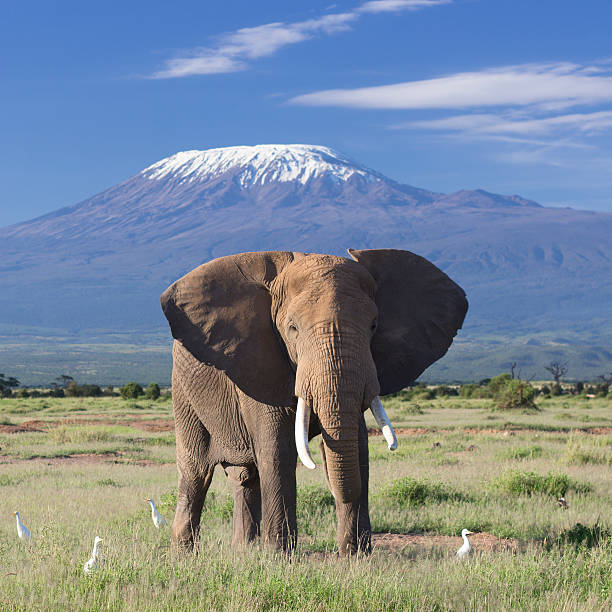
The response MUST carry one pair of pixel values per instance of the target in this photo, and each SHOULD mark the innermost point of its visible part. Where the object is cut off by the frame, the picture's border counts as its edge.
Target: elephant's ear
(220, 312)
(420, 310)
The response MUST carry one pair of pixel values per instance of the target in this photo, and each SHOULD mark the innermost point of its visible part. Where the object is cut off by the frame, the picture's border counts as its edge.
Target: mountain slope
(529, 271)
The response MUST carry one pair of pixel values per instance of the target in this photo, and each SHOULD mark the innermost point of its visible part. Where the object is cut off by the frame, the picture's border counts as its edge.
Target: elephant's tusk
(383, 422)
(302, 420)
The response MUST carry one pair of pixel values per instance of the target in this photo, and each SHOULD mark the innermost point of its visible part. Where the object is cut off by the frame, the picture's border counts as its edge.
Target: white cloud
(560, 85)
(587, 123)
(388, 6)
(233, 48)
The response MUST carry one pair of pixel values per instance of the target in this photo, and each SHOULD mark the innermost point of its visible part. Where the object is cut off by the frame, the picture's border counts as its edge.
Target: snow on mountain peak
(260, 164)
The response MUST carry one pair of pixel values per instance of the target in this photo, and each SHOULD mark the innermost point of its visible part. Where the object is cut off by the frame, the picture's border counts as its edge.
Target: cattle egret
(466, 549)
(562, 502)
(158, 519)
(22, 531)
(94, 562)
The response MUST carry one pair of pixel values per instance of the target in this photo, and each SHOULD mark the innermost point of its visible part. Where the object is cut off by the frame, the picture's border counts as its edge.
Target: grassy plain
(77, 468)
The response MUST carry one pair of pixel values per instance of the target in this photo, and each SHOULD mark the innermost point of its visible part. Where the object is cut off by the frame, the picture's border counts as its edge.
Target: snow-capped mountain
(259, 165)
(528, 270)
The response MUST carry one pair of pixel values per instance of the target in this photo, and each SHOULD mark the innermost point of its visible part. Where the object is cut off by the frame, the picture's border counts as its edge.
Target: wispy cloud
(526, 107)
(557, 85)
(586, 123)
(394, 6)
(233, 50)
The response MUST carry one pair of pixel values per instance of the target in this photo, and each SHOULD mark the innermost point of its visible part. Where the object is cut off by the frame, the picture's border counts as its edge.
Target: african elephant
(274, 348)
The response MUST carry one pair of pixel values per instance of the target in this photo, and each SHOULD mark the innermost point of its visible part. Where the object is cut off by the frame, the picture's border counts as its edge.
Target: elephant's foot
(354, 534)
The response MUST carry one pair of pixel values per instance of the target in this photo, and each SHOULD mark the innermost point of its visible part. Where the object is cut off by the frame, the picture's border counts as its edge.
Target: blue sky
(512, 96)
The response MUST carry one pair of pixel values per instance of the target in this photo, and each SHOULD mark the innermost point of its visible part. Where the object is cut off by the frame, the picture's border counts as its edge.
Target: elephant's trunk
(339, 415)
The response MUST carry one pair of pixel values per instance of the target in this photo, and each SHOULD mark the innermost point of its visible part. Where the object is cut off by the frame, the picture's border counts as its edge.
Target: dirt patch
(23, 428)
(397, 542)
(158, 425)
(154, 426)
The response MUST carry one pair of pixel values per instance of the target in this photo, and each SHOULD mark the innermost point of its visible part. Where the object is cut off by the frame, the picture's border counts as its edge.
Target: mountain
(538, 279)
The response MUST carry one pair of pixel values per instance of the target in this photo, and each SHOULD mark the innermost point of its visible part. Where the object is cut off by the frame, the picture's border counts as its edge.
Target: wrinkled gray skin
(254, 331)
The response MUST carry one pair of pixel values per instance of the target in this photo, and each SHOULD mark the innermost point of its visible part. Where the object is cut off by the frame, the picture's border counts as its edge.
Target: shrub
(56, 391)
(410, 491)
(446, 391)
(516, 482)
(412, 408)
(130, 390)
(512, 393)
(153, 391)
(474, 391)
(22, 393)
(75, 390)
(581, 536)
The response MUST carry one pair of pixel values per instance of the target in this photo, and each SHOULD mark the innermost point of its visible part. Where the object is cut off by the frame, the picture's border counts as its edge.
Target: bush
(74, 390)
(516, 482)
(130, 390)
(556, 390)
(56, 391)
(153, 391)
(22, 393)
(512, 393)
(581, 536)
(409, 491)
(474, 391)
(446, 391)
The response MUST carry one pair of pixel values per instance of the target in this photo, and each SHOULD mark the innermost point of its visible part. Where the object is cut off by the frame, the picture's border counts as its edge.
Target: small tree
(153, 391)
(6, 384)
(130, 390)
(558, 370)
(64, 380)
(72, 389)
(604, 385)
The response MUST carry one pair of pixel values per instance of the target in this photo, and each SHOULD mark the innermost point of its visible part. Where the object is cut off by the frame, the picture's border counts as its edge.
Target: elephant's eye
(374, 326)
(292, 329)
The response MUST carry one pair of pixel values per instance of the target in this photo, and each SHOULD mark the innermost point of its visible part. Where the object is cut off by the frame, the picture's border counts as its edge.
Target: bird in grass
(466, 549)
(94, 561)
(562, 503)
(158, 519)
(22, 531)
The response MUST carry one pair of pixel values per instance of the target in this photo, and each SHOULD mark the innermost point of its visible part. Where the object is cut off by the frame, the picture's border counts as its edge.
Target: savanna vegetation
(76, 467)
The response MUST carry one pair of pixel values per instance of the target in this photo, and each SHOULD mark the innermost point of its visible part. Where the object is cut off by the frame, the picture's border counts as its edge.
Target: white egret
(94, 562)
(466, 549)
(158, 519)
(22, 531)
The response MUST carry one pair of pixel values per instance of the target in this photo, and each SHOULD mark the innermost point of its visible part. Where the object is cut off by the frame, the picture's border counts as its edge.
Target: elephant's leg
(194, 469)
(354, 530)
(192, 488)
(276, 462)
(364, 529)
(247, 503)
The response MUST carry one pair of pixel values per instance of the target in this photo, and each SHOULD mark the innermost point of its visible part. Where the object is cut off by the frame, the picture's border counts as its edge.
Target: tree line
(66, 386)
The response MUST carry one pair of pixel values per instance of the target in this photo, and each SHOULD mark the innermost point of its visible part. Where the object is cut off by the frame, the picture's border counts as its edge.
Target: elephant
(273, 348)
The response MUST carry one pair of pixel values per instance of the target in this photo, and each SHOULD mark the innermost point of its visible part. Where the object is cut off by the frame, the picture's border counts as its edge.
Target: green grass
(460, 469)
